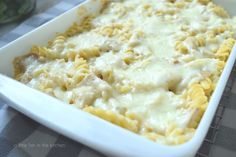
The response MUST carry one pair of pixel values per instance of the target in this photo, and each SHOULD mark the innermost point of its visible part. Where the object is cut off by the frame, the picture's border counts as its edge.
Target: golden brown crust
(19, 67)
(204, 2)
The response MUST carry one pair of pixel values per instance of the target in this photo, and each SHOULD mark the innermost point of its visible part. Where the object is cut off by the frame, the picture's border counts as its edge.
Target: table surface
(23, 137)
(42, 5)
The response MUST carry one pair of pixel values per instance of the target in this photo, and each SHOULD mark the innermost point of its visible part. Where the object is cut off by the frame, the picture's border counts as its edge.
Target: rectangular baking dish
(83, 127)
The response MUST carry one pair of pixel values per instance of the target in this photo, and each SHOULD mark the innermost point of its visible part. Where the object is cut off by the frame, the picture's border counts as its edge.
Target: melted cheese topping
(150, 53)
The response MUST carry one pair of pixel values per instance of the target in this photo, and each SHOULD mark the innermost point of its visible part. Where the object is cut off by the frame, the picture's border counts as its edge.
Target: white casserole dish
(83, 127)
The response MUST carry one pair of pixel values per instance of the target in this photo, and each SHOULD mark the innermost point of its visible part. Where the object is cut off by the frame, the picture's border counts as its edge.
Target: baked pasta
(146, 65)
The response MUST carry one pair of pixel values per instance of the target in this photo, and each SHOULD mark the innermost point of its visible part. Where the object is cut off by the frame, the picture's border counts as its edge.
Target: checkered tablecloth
(23, 137)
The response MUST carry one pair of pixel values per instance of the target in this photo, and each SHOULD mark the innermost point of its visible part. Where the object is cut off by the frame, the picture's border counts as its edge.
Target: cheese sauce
(137, 42)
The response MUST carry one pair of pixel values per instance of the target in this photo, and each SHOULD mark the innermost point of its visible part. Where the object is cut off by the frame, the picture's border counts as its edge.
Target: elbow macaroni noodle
(147, 66)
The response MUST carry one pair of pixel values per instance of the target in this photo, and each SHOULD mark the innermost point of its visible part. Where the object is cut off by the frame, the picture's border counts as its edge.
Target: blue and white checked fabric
(23, 137)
